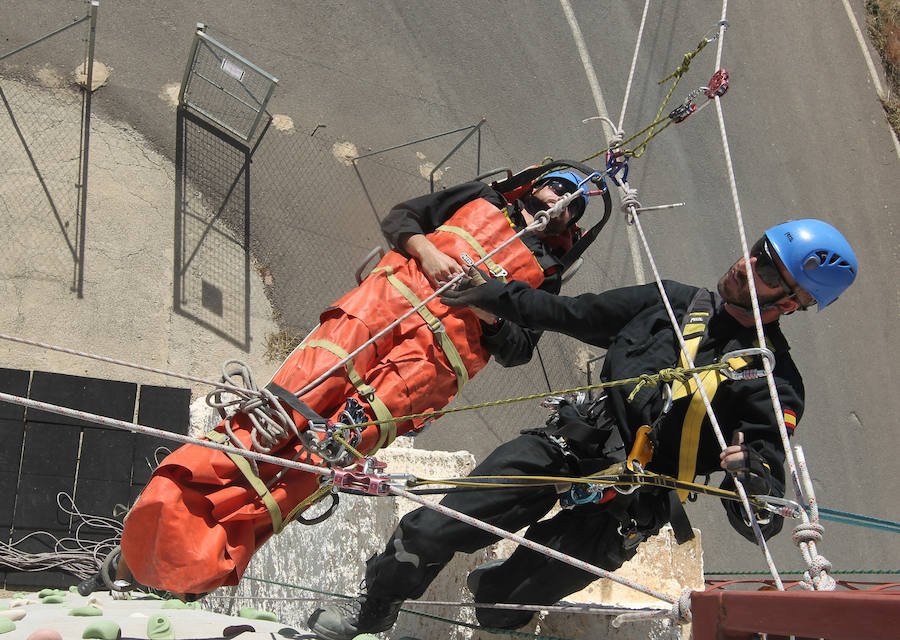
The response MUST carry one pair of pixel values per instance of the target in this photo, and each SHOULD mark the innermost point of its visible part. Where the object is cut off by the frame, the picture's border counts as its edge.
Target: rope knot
(807, 532)
(643, 380)
(630, 203)
(681, 610)
(673, 374)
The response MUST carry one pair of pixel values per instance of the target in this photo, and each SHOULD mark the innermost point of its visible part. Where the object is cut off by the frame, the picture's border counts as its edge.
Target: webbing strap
(496, 270)
(309, 500)
(255, 481)
(436, 326)
(694, 331)
(388, 429)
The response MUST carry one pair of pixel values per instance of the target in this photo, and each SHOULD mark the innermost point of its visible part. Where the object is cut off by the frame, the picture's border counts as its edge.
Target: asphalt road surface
(806, 134)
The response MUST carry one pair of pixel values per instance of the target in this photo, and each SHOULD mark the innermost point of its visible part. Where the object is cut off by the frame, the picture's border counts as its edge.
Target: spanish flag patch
(790, 420)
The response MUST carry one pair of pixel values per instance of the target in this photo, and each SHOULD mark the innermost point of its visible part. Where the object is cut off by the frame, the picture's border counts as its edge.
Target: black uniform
(508, 343)
(632, 324)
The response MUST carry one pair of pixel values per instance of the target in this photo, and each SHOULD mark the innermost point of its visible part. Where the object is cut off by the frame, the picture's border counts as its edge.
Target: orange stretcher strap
(436, 326)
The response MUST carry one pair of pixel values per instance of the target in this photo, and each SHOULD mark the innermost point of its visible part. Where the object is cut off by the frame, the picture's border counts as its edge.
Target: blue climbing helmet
(817, 255)
(577, 207)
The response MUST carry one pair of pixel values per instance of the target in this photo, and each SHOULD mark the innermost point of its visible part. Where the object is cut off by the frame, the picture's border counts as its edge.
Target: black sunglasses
(768, 271)
(560, 188)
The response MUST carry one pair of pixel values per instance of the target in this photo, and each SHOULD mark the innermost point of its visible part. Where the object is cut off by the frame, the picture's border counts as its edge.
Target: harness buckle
(748, 374)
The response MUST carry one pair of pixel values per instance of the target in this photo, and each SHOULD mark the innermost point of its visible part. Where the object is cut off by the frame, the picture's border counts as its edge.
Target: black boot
(494, 618)
(345, 620)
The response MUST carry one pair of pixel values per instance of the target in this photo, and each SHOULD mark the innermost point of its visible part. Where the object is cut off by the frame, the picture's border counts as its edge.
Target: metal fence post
(85, 149)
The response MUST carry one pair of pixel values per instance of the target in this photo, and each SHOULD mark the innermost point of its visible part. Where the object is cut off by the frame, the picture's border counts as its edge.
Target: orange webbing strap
(388, 428)
(436, 326)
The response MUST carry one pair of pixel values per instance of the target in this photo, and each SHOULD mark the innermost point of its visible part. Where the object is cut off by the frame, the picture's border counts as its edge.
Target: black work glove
(748, 466)
(474, 291)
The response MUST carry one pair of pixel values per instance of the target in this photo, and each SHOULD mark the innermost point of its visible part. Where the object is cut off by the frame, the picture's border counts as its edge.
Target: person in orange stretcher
(204, 513)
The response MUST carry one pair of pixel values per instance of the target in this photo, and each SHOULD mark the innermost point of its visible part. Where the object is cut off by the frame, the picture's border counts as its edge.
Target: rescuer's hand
(745, 464)
(475, 291)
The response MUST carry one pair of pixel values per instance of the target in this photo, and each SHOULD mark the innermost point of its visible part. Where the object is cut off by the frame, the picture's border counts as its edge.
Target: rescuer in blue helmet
(793, 265)
(797, 264)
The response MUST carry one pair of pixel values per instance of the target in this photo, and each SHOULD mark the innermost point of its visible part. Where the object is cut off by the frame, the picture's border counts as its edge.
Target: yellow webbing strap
(694, 330)
(436, 326)
(388, 429)
(309, 500)
(255, 481)
(492, 266)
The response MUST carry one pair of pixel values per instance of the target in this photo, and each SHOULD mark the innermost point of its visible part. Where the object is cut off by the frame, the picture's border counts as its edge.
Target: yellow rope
(629, 478)
(665, 375)
(638, 151)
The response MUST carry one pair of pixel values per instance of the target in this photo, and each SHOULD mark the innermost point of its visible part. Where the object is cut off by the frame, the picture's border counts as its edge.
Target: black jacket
(632, 325)
(509, 344)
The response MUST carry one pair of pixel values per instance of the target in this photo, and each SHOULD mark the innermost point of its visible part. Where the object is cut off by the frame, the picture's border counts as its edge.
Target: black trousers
(425, 541)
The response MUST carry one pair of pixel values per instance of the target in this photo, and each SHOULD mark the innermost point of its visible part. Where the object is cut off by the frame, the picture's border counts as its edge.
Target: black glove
(752, 471)
(474, 291)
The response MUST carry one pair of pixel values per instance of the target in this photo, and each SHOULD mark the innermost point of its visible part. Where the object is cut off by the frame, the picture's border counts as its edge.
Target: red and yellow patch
(790, 420)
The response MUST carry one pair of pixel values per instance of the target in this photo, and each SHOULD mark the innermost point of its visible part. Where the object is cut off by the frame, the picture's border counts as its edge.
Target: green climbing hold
(7, 625)
(73, 589)
(89, 610)
(43, 593)
(255, 614)
(21, 595)
(159, 628)
(53, 599)
(103, 630)
(180, 604)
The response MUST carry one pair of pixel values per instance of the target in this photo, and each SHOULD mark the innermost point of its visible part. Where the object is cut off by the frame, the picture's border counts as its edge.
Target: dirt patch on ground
(883, 21)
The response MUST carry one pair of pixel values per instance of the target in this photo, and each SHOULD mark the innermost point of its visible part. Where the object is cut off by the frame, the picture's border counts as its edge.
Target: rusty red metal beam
(834, 615)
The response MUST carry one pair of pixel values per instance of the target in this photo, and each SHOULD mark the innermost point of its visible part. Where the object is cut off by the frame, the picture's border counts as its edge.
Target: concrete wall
(330, 557)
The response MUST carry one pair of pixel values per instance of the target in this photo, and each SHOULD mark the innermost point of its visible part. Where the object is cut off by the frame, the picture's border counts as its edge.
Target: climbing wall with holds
(45, 455)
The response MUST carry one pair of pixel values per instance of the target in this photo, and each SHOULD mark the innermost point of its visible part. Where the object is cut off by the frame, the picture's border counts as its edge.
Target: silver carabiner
(747, 374)
(781, 506)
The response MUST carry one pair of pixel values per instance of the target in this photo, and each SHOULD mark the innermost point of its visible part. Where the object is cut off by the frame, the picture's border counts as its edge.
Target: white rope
(634, 57)
(529, 544)
(123, 363)
(159, 433)
(713, 420)
(816, 566)
(75, 555)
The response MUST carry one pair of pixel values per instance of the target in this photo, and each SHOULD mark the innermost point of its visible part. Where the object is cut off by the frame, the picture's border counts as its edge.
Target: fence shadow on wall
(212, 229)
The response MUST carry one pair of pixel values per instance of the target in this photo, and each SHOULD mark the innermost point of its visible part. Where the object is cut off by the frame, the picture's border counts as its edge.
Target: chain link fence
(45, 137)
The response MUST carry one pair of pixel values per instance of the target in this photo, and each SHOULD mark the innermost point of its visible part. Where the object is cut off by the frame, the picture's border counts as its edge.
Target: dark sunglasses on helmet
(767, 270)
(561, 188)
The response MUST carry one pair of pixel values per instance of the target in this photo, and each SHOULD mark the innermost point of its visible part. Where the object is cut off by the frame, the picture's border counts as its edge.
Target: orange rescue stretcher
(199, 520)
(204, 513)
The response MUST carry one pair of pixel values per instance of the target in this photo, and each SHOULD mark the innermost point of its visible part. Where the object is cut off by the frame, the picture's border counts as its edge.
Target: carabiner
(748, 374)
